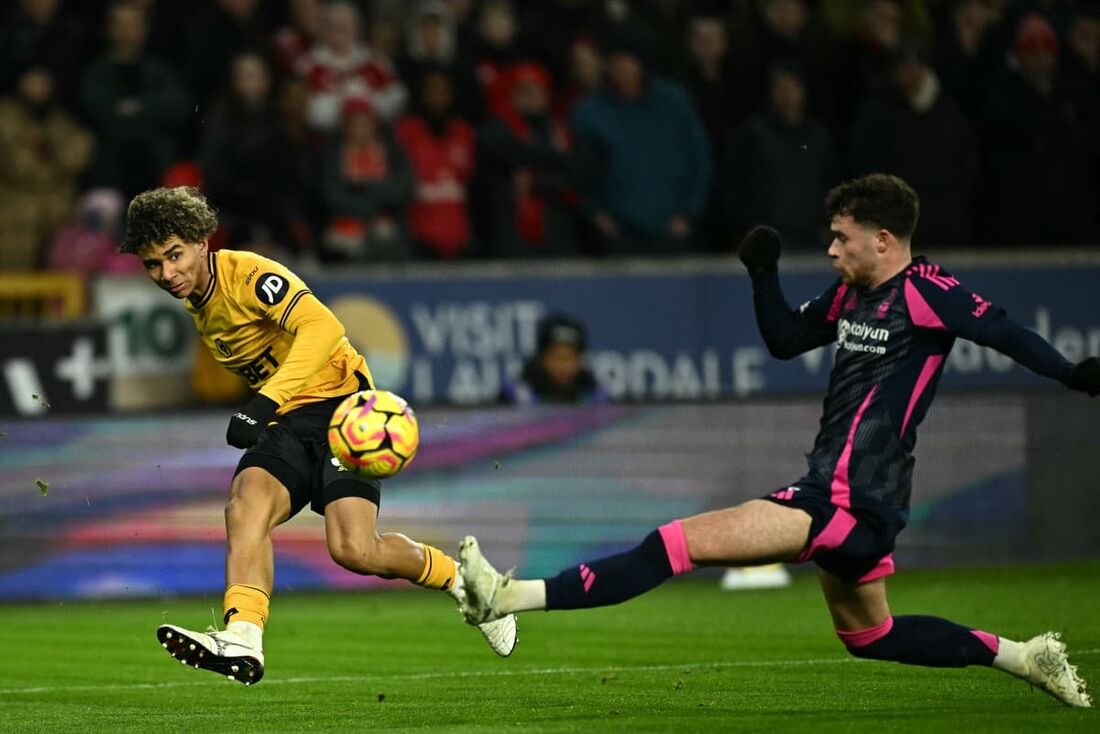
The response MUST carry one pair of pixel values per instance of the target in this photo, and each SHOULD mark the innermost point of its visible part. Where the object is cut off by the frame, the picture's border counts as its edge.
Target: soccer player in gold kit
(261, 321)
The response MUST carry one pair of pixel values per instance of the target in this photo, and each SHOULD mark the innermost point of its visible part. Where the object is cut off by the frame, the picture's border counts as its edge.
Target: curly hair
(156, 215)
(877, 199)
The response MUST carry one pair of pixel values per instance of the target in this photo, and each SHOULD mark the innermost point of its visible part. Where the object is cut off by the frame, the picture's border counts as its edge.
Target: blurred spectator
(442, 150)
(367, 187)
(136, 105)
(645, 159)
(384, 40)
(294, 41)
(967, 54)
(917, 132)
(246, 167)
(526, 167)
(721, 98)
(89, 243)
(861, 65)
(781, 33)
(556, 373)
(719, 94)
(42, 151)
(304, 151)
(780, 166)
(38, 32)
(495, 49)
(215, 36)
(340, 67)
(1040, 177)
(585, 72)
(1081, 63)
(432, 46)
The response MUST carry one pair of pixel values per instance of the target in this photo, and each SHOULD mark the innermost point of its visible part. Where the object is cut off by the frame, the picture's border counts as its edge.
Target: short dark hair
(558, 328)
(877, 199)
(155, 216)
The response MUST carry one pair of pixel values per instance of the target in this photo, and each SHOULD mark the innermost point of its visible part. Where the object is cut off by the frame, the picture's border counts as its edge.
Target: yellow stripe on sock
(439, 569)
(245, 603)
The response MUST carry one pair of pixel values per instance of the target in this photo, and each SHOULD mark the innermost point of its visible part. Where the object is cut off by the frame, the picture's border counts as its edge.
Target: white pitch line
(427, 676)
(267, 682)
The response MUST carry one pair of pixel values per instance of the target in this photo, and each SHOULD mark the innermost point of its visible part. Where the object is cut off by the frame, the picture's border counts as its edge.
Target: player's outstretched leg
(868, 630)
(355, 545)
(754, 532)
(257, 504)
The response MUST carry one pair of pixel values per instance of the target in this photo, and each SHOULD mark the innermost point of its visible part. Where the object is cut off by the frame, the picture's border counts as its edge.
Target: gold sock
(246, 604)
(439, 569)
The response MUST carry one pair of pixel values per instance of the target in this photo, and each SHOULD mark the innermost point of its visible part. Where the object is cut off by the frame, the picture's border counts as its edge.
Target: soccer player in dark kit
(894, 319)
(260, 320)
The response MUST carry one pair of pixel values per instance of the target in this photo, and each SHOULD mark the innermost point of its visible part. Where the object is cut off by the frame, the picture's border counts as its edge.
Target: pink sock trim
(676, 546)
(864, 637)
(988, 639)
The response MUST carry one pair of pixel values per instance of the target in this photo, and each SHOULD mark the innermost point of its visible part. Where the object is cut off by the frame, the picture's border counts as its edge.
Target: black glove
(759, 250)
(247, 425)
(1085, 376)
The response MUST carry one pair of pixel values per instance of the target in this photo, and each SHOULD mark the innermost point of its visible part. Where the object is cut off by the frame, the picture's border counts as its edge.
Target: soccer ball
(374, 433)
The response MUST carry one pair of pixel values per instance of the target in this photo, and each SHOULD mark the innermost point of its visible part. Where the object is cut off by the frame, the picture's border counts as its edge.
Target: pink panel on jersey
(864, 637)
(919, 310)
(837, 304)
(676, 547)
(988, 639)
(930, 366)
(836, 532)
(884, 567)
(841, 492)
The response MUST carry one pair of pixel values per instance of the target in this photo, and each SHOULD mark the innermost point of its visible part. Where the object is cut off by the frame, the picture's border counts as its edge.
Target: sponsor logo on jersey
(223, 348)
(271, 288)
(260, 368)
(847, 334)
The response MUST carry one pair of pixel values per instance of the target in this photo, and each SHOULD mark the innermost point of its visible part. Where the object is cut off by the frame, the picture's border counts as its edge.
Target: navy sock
(615, 579)
(920, 640)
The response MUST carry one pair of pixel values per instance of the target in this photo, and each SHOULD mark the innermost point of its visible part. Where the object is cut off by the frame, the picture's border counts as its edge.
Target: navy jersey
(892, 342)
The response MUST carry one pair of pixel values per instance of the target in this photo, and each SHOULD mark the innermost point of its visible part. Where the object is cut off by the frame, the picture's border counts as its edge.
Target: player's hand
(759, 250)
(1085, 376)
(246, 426)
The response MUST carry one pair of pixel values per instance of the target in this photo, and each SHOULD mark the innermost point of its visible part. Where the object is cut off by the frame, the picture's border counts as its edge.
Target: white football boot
(1049, 669)
(480, 583)
(219, 651)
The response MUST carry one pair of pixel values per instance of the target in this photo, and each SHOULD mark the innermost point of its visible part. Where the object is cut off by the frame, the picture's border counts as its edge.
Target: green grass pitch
(687, 657)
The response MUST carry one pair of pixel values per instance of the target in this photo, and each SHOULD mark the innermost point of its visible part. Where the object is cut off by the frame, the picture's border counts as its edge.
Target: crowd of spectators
(385, 130)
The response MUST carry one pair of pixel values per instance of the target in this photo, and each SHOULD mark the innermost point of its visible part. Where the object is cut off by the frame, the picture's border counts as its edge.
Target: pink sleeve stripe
(864, 637)
(930, 366)
(840, 490)
(835, 532)
(837, 304)
(989, 639)
(676, 547)
(919, 310)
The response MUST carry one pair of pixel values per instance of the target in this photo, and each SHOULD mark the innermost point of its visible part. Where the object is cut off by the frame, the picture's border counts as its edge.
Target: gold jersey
(261, 321)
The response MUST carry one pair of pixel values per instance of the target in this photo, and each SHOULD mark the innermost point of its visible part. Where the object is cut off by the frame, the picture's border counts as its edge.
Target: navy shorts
(295, 451)
(848, 544)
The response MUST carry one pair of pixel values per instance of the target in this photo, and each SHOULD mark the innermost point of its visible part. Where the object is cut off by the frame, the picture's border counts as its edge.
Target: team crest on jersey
(271, 288)
(223, 348)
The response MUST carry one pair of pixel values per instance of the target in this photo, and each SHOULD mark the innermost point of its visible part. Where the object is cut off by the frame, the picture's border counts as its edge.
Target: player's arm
(787, 332)
(940, 303)
(281, 297)
(316, 332)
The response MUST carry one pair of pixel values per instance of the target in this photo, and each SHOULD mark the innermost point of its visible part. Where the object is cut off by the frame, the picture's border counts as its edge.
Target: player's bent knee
(358, 555)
